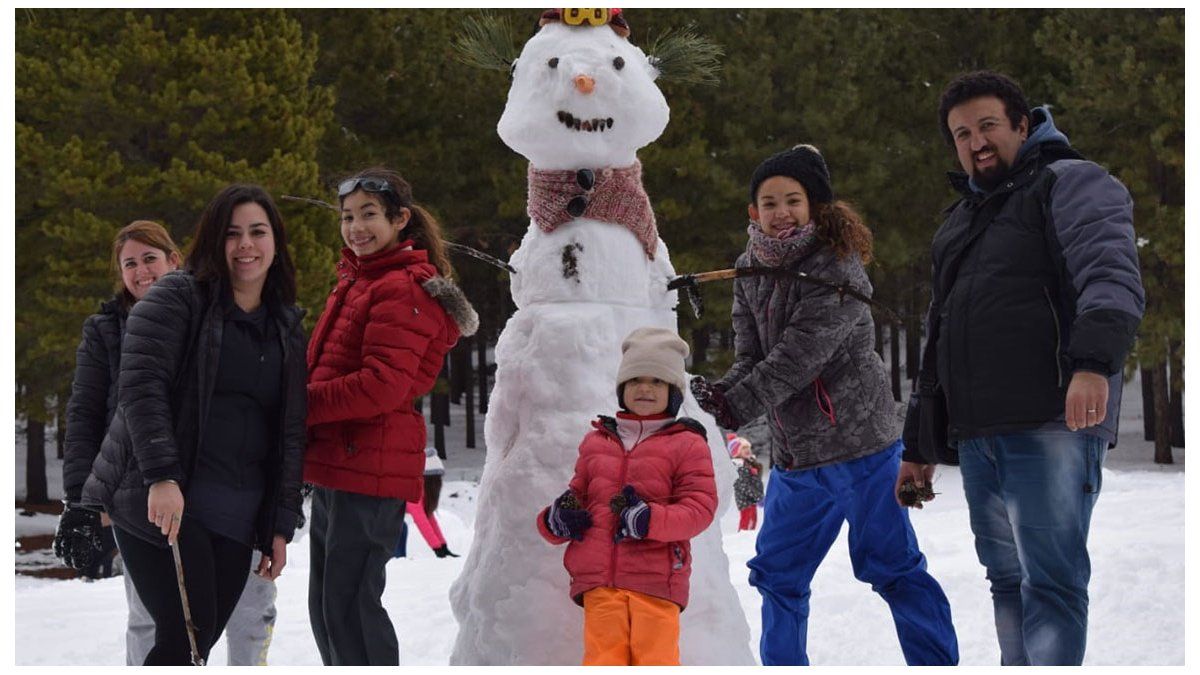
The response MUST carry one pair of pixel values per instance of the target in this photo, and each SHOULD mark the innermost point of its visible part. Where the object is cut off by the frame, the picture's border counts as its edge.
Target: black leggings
(215, 570)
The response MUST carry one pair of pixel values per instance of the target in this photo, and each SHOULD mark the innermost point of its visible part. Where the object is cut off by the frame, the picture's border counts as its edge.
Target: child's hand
(711, 399)
(633, 521)
(566, 519)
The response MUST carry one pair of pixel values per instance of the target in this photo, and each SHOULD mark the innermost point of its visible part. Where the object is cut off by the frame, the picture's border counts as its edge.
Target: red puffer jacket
(378, 346)
(672, 470)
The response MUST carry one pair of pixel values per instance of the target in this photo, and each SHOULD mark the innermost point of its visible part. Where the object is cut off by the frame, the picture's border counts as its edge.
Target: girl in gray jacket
(805, 358)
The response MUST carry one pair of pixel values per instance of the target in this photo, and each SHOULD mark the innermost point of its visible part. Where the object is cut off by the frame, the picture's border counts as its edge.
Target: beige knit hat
(653, 352)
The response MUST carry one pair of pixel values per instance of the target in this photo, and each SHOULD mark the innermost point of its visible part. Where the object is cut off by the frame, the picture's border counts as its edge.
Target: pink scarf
(617, 197)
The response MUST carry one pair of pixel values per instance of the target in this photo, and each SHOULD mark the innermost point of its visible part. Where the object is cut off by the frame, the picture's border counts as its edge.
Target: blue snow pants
(803, 514)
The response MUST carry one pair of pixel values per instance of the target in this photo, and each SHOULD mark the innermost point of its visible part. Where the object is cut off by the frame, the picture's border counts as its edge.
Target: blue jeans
(1030, 495)
(803, 513)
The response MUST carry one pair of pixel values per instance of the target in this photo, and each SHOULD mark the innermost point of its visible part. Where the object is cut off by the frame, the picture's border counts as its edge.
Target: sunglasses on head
(367, 183)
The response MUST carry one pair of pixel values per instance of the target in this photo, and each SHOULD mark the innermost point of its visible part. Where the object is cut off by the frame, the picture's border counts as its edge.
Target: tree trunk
(895, 353)
(1176, 393)
(60, 427)
(470, 407)
(439, 438)
(912, 327)
(482, 369)
(35, 463)
(701, 337)
(878, 337)
(460, 370)
(1147, 403)
(1162, 426)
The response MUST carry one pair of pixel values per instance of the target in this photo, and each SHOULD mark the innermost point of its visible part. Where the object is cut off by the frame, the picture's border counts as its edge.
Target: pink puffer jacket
(672, 470)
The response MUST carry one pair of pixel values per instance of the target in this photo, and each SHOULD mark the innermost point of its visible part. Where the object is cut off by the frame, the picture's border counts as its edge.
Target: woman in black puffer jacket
(211, 411)
(142, 252)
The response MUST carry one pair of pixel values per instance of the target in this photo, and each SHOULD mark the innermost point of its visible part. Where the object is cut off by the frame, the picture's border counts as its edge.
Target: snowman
(590, 269)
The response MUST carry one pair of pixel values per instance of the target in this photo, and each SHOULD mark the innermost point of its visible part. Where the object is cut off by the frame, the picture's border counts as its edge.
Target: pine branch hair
(487, 42)
(685, 56)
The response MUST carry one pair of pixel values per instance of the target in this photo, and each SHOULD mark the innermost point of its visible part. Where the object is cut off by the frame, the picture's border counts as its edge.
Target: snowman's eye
(618, 63)
(553, 63)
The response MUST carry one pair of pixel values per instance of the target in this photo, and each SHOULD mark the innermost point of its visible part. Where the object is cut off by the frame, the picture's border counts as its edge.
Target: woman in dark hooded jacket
(210, 415)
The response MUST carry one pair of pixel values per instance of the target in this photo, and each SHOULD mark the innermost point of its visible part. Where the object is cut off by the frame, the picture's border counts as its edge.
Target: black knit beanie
(805, 164)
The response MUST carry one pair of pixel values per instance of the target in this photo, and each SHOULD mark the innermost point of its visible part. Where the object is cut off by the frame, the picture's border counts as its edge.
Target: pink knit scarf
(617, 197)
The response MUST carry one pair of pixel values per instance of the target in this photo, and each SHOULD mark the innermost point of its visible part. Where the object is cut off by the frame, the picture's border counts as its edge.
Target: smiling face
(782, 202)
(142, 265)
(984, 139)
(365, 227)
(582, 97)
(646, 396)
(249, 247)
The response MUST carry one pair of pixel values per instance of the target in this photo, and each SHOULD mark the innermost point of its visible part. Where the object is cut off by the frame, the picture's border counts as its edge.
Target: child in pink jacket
(643, 487)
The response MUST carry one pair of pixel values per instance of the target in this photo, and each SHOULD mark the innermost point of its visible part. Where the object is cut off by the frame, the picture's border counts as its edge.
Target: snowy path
(1137, 615)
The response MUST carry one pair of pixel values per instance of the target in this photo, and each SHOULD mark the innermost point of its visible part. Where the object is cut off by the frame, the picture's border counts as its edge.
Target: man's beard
(989, 179)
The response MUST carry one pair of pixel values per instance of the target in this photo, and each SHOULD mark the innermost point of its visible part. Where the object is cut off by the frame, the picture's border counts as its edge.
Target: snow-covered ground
(1137, 589)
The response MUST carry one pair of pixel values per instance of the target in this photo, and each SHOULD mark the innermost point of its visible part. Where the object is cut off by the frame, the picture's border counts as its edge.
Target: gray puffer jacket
(805, 358)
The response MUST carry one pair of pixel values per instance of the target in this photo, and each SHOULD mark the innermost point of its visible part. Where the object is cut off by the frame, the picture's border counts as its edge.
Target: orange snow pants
(627, 628)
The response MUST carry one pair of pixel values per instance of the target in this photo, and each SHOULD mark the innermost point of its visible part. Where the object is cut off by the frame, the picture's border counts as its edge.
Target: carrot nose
(585, 84)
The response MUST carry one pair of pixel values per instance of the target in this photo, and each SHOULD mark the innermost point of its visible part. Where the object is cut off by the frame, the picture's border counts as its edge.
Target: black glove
(77, 539)
(633, 514)
(711, 398)
(566, 519)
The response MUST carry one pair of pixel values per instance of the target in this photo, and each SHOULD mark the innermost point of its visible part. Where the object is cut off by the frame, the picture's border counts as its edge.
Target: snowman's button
(576, 206)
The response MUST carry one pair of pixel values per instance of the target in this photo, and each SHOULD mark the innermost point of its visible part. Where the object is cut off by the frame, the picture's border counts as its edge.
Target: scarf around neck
(617, 197)
(776, 252)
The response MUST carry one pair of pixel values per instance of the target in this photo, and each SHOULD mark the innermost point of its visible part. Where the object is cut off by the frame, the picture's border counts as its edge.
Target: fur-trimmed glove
(633, 514)
(711, 398)
(77, 538)
(565, 518)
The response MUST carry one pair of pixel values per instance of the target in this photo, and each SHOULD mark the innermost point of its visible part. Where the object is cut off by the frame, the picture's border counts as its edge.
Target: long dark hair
(423, 229)
(206, 255)
(839, 225)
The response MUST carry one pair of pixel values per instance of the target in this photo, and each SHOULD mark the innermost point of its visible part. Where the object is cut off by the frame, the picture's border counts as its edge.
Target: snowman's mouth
(594, 124)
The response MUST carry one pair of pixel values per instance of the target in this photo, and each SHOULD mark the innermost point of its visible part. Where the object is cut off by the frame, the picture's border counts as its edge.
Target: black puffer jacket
(93, 393)
(169, 366)
(1033, 281)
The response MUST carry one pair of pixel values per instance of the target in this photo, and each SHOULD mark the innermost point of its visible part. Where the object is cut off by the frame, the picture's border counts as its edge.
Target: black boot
(443, 551)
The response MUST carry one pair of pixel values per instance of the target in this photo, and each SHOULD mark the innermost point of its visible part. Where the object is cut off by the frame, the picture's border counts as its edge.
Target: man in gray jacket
(1036, 298)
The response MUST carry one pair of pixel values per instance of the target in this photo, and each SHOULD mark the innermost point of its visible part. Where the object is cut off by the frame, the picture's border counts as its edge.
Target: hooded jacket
(1047, 284)
(169, 359)
(378, 346)
(806, 359)
(672, 471)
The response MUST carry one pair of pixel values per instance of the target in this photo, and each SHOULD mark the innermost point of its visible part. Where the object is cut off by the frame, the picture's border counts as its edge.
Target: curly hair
(982, 83)
(839, 225)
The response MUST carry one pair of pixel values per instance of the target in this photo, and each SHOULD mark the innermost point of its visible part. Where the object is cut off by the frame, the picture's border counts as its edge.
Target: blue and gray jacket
(1047, 284)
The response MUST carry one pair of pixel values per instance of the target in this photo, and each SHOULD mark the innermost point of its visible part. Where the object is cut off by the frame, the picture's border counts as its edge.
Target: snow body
(579, 290)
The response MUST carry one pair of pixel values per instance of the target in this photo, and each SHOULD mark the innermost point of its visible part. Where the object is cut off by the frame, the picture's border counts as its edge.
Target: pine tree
(126, 115)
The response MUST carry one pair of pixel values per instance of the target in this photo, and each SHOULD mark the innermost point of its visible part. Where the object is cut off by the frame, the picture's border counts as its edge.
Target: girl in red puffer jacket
(378, 346)
(643, 487)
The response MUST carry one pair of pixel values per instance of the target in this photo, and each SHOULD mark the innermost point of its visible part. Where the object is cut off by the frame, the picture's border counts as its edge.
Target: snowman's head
(582, 97)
